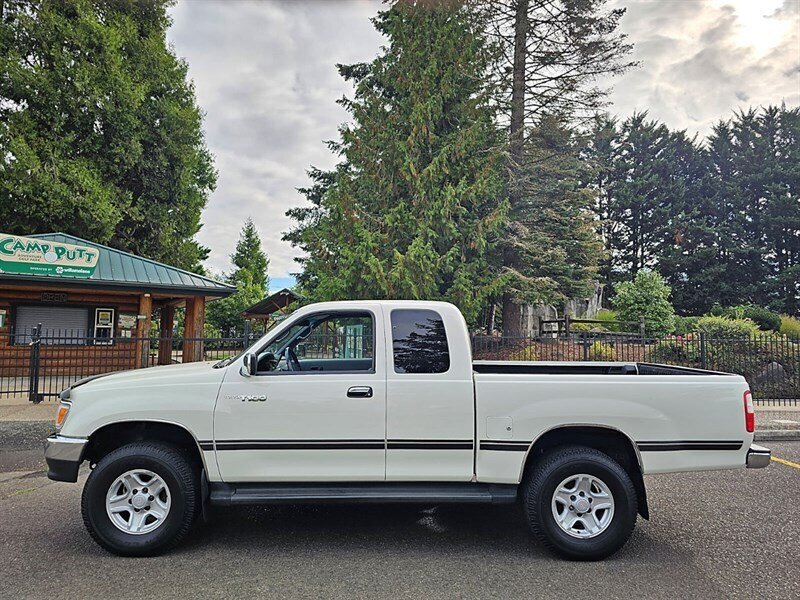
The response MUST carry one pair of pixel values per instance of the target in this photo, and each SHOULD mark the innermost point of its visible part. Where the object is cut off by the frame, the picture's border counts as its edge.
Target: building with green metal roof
(92, 294)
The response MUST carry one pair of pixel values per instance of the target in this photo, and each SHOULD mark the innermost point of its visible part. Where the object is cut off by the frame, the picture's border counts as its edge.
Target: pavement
(728, 534)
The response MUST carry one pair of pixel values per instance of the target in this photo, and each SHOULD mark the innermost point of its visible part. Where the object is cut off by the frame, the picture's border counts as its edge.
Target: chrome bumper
(64, 456)
(758, 457)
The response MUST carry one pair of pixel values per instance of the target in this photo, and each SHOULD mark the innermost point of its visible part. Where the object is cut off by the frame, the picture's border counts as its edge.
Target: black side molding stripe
(338, 445)
(509, 446)
(289, 445)
(690, 445)
(432, 445)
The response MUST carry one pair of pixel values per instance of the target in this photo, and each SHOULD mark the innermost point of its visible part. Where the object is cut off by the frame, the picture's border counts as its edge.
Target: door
(316, 410)
(430, 401)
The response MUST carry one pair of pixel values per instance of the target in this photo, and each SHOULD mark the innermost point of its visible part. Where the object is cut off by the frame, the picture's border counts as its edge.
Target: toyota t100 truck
(380, 401)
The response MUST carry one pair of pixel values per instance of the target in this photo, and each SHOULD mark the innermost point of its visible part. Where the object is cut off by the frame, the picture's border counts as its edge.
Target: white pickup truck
(380, 401)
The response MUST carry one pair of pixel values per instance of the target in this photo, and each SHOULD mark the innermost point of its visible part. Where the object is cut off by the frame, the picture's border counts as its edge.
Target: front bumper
(64, 456)
(758, 457)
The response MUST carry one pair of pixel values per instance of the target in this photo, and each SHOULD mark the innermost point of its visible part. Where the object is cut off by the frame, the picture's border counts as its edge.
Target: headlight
(61, 415)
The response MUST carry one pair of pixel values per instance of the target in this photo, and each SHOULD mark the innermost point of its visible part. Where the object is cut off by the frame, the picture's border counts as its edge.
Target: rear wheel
(141, 499)
(581, 503)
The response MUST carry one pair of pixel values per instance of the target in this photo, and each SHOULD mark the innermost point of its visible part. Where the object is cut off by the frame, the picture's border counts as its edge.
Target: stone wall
(579, 308)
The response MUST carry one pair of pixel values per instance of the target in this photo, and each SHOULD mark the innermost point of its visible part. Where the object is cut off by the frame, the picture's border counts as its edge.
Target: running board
(226, 494)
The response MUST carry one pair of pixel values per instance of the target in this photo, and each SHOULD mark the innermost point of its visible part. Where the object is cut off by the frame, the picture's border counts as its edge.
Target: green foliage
(718, 218)
(725, 328)
(685, 325)
(790, 326)
(601, 351)
(609, 316)
(526, 353)
(414, 209)
(647, 296)
(764, 318)
(587, 327)
(677, 350)
(550, 247)
(100, 134)
(249, 277)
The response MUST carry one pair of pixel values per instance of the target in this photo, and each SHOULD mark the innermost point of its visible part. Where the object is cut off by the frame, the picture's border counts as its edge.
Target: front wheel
(140, 499)
(581, 503)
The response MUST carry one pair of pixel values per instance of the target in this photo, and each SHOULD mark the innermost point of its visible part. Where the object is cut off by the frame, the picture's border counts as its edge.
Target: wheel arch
(114, 435)
(609, 440)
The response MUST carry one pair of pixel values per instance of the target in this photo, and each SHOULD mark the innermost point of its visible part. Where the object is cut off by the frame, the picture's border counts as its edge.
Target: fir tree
(250, 278)
(415, 206)
(552, 53)
(551, 242)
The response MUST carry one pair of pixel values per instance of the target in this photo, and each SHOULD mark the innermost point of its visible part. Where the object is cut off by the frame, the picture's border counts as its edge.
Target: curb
(768, 435)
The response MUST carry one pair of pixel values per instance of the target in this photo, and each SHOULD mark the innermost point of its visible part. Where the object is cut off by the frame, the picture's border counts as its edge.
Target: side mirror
(250, 366)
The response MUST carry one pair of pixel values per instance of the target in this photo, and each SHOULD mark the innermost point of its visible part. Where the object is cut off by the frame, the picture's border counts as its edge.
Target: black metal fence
(39, 364)
(769, 362)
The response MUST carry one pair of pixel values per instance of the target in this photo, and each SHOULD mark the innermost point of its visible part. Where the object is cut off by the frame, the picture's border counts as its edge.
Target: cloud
(266, 80)
(265, 77)
(703, 59)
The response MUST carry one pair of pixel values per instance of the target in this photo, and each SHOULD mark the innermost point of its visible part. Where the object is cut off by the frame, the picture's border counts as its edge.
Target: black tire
(549, 472)
(168, 462)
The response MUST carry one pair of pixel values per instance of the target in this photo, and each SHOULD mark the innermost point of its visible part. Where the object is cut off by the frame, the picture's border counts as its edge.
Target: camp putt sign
(31, 256)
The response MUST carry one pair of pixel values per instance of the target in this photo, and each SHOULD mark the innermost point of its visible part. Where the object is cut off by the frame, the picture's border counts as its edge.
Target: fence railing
(769, 362)
(39, 364)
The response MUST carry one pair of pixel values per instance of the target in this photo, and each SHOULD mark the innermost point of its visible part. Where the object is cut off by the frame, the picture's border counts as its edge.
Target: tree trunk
(512, 323)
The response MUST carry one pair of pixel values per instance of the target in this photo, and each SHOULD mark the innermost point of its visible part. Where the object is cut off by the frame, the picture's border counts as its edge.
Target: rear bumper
(64, 456)
(758, 457)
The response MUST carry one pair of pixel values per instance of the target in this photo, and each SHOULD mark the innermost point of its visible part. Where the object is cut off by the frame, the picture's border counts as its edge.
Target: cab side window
(323, 344)
(419, 342)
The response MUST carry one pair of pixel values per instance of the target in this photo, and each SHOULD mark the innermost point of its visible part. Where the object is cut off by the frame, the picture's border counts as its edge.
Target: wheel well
(612, 442)
(113, 436)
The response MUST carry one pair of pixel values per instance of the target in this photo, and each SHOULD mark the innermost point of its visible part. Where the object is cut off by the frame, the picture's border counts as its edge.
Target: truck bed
(583, 368)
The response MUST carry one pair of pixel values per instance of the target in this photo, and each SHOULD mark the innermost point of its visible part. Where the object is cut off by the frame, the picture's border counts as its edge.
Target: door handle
(359, 391)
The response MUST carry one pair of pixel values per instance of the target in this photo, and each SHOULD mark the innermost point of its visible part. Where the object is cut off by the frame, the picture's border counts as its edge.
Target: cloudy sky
(265, 77)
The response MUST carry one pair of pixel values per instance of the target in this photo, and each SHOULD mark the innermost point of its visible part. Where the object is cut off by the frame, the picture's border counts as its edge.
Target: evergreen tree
(100, 134)
(551, 233)
(250, 278)
(755, 163)
(552, 53)
(720, 219)
(415, 206)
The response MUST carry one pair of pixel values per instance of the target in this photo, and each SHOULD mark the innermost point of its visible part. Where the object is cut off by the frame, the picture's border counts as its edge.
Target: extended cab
(380, 401)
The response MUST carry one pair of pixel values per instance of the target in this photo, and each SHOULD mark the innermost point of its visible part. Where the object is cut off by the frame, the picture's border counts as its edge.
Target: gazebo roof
(121, 270)
(271, 304)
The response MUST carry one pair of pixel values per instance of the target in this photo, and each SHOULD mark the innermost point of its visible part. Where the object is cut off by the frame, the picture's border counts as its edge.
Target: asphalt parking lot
(722, 534)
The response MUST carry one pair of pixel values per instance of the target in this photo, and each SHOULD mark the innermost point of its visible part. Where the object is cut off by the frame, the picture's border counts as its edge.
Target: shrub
(609, 316)
(595, 327)
(646, 296)
(685, 325)
(526, 353)
(764, 318)
(724, 328)
(601, 351)
(675, 351)
(790, 326)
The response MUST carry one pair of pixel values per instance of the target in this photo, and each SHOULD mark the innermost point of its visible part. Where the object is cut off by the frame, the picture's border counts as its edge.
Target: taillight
(749, 413)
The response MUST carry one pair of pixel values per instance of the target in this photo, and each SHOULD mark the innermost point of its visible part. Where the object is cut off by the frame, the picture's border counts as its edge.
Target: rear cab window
(419, 342)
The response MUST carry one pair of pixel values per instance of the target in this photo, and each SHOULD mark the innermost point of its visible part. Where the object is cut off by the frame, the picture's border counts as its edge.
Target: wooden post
(165, 334)
(193, 328)
(143, 330)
